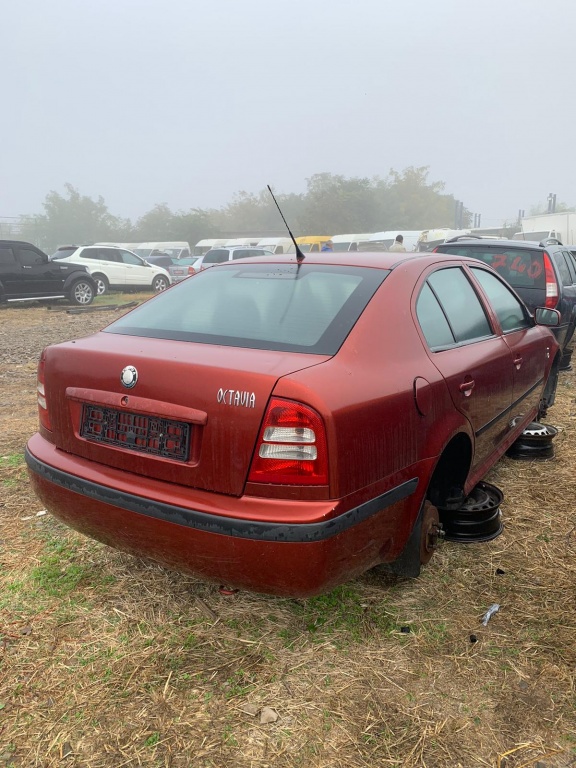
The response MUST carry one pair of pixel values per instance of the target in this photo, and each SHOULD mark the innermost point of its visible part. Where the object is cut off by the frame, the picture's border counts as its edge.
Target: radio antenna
(299, 254)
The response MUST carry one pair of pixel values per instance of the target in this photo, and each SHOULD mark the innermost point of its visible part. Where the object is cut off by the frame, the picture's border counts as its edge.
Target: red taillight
(191, 271)
(43, 414)
(291, 448)
(551, 283)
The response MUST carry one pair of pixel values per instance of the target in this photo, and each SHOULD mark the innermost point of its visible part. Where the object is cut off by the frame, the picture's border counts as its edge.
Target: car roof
(502, 243)
(372, 259)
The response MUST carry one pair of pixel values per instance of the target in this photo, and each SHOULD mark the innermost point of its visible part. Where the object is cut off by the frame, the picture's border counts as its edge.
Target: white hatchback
(117, 268)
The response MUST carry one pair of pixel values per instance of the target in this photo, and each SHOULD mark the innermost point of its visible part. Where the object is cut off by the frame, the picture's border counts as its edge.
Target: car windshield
(341, 246)
(63, 253)
(306, 308)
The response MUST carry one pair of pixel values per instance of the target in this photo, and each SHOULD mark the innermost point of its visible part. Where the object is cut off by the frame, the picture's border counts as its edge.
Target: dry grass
(109, 661)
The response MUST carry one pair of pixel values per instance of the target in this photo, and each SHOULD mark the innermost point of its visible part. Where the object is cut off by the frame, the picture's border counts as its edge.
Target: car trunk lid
(184, 412)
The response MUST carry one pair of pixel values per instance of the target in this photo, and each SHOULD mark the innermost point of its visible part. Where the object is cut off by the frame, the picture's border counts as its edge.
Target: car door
(37, 275)
(106, 261)
(474, 360)
(137, 272)
(530, 350)
(10, 271)
(567, 303)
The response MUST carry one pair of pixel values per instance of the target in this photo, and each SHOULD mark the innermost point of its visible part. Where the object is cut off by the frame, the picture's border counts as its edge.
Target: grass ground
(110, 661)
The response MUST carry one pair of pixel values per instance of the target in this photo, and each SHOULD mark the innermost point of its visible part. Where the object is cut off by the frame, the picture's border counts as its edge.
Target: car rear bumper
(239, 542)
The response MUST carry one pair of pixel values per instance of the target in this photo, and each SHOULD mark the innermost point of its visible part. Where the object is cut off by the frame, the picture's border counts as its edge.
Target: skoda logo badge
(129, 377)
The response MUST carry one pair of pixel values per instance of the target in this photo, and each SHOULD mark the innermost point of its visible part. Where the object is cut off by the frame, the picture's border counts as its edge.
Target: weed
(152, 740)
(12, 460)
(228, 736)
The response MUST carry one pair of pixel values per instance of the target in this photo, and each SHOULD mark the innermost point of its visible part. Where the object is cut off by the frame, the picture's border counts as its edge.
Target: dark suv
(26, 273)
(543, 274)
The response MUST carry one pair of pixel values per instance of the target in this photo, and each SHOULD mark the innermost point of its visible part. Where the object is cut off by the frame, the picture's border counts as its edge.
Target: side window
(241, 254)
(129, 258)
(216, 256)
(569, 256)
(460, 304)
(109, 254)
(29, 258)
(563, 269)
(433, 320)
(90, 253)
(7, 256)
(511, 313)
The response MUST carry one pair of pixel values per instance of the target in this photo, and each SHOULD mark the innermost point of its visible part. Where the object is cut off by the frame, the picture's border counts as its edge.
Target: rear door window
(571, 263)
(511, 313)
(460, 305)
(566, 277)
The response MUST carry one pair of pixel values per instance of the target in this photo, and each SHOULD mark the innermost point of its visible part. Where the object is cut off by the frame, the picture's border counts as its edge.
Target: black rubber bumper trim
(226, 526)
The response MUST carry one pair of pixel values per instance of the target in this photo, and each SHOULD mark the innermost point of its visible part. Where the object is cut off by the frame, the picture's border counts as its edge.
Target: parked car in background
(175, 248)
(222, 254)
(178, 269)
(27, 273)
(277, 244)
(117, 268)
(543, 274)
(283, 426)
(312, 243)
(350, 242)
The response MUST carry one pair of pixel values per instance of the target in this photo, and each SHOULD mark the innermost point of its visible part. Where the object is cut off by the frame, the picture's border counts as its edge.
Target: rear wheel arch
(446, 486)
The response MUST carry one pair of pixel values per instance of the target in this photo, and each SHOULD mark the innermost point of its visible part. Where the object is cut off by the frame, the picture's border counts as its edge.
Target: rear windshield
(521, 268)
(310, 308)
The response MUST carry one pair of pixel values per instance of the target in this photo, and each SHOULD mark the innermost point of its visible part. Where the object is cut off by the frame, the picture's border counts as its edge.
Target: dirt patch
(111, 661)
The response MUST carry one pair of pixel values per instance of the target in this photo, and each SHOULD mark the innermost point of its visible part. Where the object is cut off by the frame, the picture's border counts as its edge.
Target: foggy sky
(186, 102)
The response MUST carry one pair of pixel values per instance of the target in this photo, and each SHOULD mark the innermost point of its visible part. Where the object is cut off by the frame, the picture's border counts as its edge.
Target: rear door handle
(518, 361)
(467, 386)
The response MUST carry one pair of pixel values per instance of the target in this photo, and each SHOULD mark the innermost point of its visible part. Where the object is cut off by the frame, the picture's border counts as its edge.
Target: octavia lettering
(237, 397)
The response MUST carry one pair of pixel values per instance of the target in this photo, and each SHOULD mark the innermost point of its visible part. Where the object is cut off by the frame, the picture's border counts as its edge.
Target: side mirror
(545, 316)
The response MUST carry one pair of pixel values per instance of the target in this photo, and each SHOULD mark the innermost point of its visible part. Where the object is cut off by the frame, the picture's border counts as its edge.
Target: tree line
(332, 204)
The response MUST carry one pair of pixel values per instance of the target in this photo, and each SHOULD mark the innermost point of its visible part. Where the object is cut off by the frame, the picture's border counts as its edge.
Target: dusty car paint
(392, 412)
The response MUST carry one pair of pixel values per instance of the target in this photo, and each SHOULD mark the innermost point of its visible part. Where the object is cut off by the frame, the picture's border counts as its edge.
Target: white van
(238, 241)
(430, 238)
(348, 242)
(383, 240)
(538, 235)
(203, 246)
(277, 244)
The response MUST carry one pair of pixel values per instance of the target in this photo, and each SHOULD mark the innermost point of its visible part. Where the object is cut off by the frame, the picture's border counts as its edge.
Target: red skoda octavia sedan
(283, 426)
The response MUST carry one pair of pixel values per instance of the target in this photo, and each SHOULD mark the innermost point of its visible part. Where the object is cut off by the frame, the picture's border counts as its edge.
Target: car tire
(159, 284)
(81, 293)
(102, 284)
